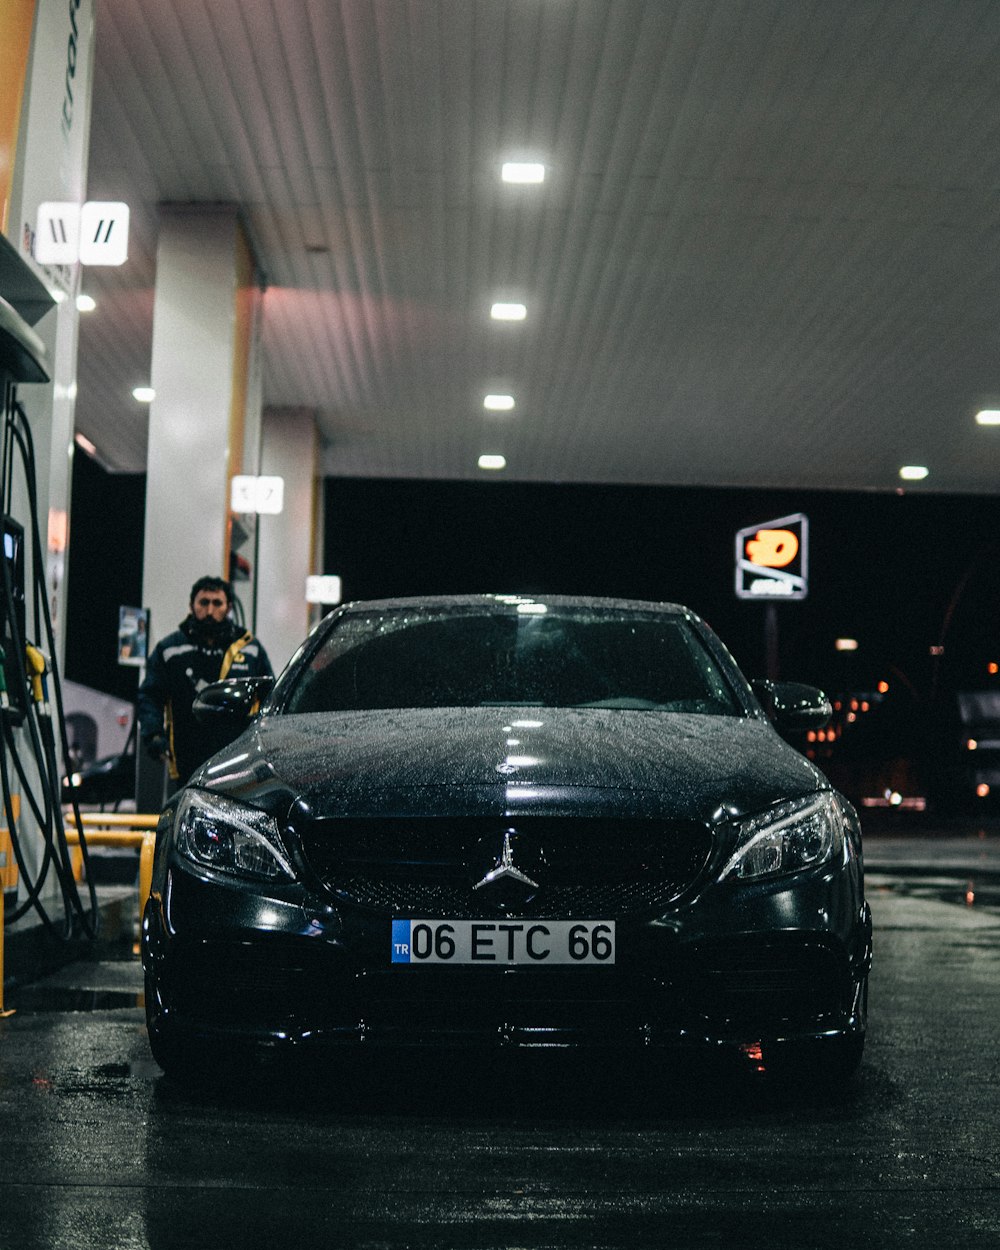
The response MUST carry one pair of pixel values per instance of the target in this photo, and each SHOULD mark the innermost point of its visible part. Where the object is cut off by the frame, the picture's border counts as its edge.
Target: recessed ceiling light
(144, 394)
(508, 312)
(86, 303)
(522, 171)
(492, 462)
(988, 416)
(498, 403)
(913, 472)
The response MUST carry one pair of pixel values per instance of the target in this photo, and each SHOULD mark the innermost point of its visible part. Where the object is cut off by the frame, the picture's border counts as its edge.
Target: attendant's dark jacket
(180, 666)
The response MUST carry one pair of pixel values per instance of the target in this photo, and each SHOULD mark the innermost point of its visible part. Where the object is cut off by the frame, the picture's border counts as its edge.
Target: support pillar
(204, 423)
(288, 543)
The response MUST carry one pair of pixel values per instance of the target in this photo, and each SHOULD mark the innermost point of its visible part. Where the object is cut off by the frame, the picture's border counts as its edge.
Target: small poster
(133, 635)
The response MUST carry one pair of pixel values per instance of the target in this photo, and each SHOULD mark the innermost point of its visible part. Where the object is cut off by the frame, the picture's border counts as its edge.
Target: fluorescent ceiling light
(508, 312)
(988, 416)
(499, 403)
(492, 462)
(913, 472)
(144, 394)
(522, 171)
(85, 303)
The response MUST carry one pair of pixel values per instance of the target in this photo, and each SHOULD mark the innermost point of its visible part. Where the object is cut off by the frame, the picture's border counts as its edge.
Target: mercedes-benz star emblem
(505, 868)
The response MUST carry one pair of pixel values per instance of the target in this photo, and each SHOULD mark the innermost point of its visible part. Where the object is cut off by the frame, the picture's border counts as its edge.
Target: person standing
(208, 646)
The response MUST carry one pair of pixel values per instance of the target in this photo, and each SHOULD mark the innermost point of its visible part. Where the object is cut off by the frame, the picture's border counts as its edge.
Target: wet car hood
(478, 760)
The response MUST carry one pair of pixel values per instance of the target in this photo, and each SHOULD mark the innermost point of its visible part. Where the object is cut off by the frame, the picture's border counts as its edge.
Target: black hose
(46, 807)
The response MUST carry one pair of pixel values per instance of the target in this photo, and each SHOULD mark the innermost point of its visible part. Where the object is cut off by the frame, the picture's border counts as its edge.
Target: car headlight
(788, 838)
(218, 833)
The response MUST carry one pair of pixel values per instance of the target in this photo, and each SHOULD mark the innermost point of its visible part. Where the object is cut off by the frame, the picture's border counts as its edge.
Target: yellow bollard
(8, 881)
(7, 854)
(3, 1014)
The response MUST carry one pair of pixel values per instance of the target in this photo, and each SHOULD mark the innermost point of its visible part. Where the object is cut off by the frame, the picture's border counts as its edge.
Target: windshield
(558, 658)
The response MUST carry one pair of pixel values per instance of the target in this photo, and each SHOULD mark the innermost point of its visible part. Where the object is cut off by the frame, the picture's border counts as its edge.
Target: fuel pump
(33, 739)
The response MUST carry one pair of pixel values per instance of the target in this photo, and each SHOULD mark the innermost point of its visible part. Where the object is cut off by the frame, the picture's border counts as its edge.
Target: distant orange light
(837, 706)
(865, 706)
(811, 736)
(970, 897)
(854, 705)
(982, 790)
(993, 667)
(883, 687)
(754, 1052)
(971, 744)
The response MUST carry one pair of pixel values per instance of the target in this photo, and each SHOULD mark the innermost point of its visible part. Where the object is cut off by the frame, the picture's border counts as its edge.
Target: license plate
(531, 943)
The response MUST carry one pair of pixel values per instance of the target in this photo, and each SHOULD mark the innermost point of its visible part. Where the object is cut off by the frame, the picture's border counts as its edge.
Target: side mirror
(792, 707)
(233, 701)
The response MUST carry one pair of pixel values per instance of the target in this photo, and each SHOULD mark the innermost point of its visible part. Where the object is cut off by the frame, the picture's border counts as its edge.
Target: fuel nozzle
(38, 666)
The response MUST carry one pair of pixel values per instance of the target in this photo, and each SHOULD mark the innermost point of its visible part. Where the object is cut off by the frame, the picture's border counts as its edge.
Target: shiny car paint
(616, 813)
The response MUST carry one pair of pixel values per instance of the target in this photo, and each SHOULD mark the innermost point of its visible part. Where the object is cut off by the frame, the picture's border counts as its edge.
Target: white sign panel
(95, 233)
(270, 495)
(103, 233)
(243, 493)
(323, 589)
(257, 494)
(57, 233)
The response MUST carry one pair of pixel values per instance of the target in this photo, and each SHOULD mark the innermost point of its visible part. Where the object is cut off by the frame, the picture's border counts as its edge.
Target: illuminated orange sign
(773, 548)
(771, 559)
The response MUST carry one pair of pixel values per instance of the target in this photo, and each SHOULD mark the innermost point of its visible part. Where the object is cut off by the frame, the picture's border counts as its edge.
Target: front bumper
(739, 967)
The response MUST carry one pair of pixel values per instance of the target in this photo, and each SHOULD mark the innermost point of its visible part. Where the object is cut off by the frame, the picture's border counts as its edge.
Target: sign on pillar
(95, 233)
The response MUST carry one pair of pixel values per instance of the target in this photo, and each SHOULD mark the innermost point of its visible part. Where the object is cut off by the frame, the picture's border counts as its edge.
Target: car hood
(557, 761)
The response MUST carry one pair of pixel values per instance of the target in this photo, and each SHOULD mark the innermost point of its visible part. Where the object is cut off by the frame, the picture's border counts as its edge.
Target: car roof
(462, 603)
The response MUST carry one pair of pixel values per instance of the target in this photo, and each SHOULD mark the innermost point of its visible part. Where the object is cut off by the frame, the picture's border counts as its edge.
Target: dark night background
(898, 572)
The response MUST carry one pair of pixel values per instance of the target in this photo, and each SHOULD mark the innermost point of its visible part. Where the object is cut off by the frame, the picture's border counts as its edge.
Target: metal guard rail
(118, 829)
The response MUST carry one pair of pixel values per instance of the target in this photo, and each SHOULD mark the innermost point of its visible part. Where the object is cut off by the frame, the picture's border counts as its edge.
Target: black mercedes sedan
(509, 821)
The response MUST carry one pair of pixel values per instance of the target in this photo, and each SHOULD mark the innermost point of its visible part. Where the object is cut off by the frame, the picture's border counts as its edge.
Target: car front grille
(576, 867)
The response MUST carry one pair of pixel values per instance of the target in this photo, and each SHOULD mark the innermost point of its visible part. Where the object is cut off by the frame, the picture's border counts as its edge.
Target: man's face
(210, 603)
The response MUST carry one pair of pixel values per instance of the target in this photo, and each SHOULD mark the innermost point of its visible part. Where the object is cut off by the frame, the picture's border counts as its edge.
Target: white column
(200, 430)
(288, 543)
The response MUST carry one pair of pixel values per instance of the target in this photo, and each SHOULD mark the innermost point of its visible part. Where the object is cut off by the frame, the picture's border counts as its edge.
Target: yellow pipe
(114, 820)
(144, 839)
(106, 837)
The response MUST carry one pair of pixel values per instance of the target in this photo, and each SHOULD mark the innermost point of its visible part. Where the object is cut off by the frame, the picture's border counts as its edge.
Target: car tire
(173, 1055)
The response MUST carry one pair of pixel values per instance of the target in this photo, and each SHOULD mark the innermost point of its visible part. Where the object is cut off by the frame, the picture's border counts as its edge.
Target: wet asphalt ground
(98, 1150)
